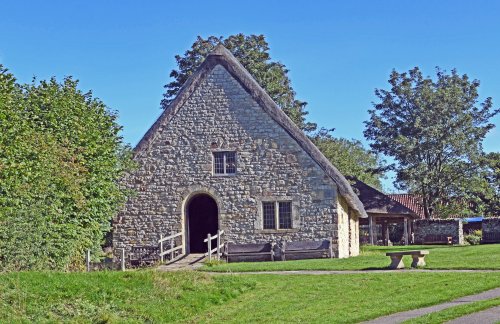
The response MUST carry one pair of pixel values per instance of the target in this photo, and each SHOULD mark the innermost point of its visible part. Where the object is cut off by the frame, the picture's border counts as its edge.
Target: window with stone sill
(277, 214)
(224, 163)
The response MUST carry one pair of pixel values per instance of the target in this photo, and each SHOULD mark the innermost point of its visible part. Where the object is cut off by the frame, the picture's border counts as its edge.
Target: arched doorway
(202, 218)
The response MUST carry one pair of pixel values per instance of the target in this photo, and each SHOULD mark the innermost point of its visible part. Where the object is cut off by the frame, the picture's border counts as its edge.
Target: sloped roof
(413, 202)
(222, 56)
(377, 202)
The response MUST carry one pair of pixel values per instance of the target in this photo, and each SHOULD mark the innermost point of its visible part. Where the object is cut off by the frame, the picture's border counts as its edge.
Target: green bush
(61, 157)
(474, 238)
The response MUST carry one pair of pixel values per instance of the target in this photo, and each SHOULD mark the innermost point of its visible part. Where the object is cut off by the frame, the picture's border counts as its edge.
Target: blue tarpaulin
(473, 219)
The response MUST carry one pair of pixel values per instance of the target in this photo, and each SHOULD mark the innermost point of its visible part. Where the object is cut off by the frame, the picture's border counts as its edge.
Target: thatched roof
(222, 56)
(377, 202)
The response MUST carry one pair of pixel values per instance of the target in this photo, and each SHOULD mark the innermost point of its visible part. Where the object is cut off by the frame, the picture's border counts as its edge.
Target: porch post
(405, 235)
(409, 232)
(371, 220)
(385, 232)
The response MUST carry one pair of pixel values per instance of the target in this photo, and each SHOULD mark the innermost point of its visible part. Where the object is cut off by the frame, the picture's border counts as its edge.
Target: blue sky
(338, 52)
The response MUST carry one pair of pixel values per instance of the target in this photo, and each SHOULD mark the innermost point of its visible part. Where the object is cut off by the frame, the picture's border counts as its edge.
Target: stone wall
(491, 230)
(221, 115)
(491, 225)
(353, 234)
(343, 229)
(438, 227)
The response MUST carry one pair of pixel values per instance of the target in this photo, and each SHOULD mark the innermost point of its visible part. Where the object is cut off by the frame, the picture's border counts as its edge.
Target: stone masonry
(491, 229)
(221, 116)
(439, 227)
(491, 225)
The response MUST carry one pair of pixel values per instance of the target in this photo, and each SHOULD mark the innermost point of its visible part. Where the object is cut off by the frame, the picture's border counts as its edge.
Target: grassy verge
(344, 298)
(135, 297)
(454, 312)
(477, 257)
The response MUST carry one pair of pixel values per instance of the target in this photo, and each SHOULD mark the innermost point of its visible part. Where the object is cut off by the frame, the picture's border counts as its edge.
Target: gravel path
(327, 272)
(487, 316)
(403, 316)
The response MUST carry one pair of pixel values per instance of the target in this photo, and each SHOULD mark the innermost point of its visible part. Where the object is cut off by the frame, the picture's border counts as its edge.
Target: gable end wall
(221, 115)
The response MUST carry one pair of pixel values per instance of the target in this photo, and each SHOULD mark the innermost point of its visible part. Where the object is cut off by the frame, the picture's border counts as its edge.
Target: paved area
(189, 262)
(326, 272)
(487, 316)
(403, 316)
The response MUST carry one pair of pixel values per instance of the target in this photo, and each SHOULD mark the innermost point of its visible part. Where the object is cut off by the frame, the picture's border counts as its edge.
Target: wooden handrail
(218, 247)
(214, 237)
(215, 249)
(173, 248)
(169, 237)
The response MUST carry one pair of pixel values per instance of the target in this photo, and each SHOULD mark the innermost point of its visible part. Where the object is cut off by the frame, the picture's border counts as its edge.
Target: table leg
(397, 262)
(418, 261)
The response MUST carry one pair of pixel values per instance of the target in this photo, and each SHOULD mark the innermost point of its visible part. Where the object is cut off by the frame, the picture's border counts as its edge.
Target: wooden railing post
(123, 260)
(209, 243)
(218, 245)
(87, 260)
(183, 249)
(161, 248)
(172, 242)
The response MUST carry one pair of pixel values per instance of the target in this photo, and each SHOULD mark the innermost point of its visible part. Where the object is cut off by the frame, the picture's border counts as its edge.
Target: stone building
(224, 156)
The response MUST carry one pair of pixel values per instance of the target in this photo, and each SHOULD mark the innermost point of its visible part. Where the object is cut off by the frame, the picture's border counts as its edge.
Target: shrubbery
(474, 238)
(61, 157)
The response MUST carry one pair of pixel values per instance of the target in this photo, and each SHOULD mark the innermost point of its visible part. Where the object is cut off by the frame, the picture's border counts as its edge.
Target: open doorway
(202, 218)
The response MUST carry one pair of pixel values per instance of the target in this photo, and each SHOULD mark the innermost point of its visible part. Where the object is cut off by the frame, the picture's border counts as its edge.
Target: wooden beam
(385, 233)
(370, 224)
(405, 235)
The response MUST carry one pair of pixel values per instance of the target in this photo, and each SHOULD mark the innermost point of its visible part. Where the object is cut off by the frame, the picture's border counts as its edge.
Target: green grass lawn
(454, 312)
(100, 297)
(147, 296)
(347, 298)
(373, 257)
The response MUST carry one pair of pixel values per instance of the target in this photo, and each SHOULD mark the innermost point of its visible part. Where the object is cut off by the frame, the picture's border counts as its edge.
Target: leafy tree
(60, 160)
(434, 131)
(253, 53)
(350, 157)
(486, 188)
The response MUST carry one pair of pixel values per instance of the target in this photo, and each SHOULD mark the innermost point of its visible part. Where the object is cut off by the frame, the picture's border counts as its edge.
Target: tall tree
(253, 53)
(433, 128)
(486, 189)
(61, 157)
(350, 157)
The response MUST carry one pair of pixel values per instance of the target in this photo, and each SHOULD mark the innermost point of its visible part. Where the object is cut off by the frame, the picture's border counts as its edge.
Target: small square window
(224, 162)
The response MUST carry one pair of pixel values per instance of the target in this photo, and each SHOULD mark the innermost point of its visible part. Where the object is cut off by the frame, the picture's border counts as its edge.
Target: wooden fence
(218, 247)
(173, 247)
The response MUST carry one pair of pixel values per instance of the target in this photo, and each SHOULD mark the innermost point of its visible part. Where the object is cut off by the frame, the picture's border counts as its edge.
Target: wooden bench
(397, 258)
(249, 252)
(306, 250)
(489, 237)
(438, 239)
(144, 255)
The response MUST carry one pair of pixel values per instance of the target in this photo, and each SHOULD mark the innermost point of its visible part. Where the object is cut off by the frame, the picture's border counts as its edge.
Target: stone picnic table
(397, 258)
